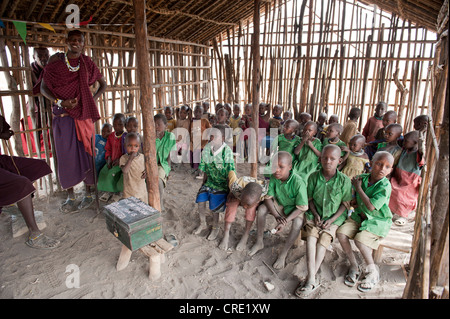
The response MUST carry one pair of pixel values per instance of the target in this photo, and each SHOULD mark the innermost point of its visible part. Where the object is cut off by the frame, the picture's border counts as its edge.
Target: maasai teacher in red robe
(66, 81)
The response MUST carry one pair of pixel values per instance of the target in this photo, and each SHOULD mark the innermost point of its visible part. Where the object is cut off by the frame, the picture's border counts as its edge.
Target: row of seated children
(367, 224)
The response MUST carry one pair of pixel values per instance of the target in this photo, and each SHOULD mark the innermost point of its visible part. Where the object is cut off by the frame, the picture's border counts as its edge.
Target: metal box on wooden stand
(133, 222)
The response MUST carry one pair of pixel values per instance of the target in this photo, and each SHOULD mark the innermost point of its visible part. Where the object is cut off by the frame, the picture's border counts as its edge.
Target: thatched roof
(188, 20)
(421, 12)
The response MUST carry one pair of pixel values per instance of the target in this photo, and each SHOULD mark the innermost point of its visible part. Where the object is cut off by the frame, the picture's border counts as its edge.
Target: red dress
(405, 183)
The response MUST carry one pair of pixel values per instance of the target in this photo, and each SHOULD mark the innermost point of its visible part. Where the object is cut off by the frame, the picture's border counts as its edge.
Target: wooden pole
(256, 83)
(145, 83)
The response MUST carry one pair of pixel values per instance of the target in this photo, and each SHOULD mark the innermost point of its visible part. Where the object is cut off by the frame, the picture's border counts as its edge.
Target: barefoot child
(329, 195)
(371, 220)
(132, 164)
(247, 192)
(307, 153)
(110, 178)
(355, 162)
(216, 163)
(165, 144)
(406, 179)
(286, 201)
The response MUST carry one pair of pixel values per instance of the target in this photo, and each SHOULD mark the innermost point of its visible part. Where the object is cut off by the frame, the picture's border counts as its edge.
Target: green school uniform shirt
(307, 161)
(216, 166)
(287, 145)
(290, 194)
(338, 143)
(329, 195)
(163, 148)
(379, 220)
(283, 144)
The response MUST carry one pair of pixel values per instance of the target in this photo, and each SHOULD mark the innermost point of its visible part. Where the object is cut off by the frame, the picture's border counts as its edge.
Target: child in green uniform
(329, 195)
(392, 134)
(334, 132)
(370, 221)
(307, 153)
(216, 162)
(287, 201)
(165, 144)
(284, 142)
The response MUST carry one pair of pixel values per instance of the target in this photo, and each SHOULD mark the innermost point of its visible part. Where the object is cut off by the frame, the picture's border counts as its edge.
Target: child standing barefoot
(133, 168)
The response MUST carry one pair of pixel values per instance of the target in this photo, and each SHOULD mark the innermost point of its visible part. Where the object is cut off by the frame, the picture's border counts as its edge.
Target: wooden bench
(155, 253)
(394, 240)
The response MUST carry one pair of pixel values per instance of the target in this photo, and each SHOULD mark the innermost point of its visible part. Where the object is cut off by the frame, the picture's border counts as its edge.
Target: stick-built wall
(328, 56)
(180, 75)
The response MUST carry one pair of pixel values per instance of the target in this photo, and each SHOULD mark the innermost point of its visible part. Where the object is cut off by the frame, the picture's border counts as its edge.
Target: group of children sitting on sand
(325, 180)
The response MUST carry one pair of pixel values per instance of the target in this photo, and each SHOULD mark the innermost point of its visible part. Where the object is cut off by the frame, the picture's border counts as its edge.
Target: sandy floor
(195, 269)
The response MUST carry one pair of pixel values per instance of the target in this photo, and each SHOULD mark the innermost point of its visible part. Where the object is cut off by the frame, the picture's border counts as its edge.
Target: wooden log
(255, 82)
(145, 83)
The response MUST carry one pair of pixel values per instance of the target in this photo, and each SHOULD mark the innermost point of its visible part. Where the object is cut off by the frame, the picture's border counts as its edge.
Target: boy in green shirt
(287, 141)
(329, 195)
(165, 144)
(307, 153)
(371, 220)
(287, 201)
(334, 132)
(216, 162)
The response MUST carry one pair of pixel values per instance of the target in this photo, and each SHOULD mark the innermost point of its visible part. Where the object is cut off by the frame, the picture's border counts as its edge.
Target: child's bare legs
(226, 236)
(243, 242)
(346, 246)
(315, 254)
(297, 224)
(161, 193)
(202, 215)
(215, 227)
(261, 215)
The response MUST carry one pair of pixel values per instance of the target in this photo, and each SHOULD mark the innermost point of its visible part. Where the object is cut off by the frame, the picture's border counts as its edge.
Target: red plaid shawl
(67, 85)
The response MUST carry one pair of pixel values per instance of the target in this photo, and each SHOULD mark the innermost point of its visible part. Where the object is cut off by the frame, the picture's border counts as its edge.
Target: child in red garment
(110, 179)
(375, 122)
(406, 179)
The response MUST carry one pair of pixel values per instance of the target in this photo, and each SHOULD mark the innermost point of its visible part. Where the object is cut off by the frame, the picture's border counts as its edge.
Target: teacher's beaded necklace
(72, 68)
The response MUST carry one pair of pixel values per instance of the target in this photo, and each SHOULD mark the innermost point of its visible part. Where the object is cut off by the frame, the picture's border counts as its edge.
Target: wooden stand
(154, 251)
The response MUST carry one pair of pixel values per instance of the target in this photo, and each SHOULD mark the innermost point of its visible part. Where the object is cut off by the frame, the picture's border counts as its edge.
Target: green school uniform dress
(290, 194)
(329, 195)
(338, 143)
(379, 220)
(163, 148)
(307, 162)
(217, 165)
